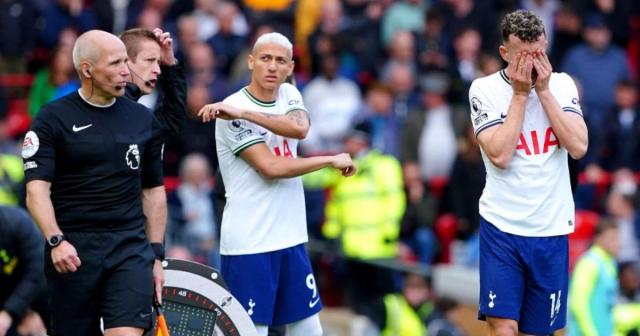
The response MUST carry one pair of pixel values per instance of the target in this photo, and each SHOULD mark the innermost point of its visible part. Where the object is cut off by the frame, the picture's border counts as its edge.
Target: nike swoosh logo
(503, 115)
(263, 133)
(143, 315)
(314, 303)
(78, 129)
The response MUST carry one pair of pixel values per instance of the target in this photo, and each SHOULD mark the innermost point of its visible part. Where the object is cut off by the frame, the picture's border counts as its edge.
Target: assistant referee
(92, 162)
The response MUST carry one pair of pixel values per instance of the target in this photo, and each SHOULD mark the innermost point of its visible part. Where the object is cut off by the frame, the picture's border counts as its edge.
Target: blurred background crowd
(385, 80)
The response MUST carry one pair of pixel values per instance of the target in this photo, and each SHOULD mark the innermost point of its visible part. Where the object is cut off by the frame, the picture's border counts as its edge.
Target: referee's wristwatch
(55, 240)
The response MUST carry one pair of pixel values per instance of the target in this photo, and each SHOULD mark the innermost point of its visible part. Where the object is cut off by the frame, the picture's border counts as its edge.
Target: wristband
(158, 250)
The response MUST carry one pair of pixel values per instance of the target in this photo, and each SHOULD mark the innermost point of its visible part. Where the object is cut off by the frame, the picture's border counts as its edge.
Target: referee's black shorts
(115, 282)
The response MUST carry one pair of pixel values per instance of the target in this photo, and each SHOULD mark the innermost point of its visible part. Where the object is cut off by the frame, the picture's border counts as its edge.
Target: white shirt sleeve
(566, 93)
(483, 113)
(238, 134)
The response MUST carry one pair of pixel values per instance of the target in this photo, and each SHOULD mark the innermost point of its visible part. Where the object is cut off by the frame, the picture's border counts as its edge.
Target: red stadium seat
(171, 183)
(581, 238)
(446, 230)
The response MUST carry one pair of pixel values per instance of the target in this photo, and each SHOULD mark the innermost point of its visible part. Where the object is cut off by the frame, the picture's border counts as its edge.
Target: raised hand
(543, 67)
(166, 46)
(210, 112)
(519, 72)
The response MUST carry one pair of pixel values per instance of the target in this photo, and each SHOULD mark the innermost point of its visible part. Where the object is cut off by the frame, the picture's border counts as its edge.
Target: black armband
(158, 250)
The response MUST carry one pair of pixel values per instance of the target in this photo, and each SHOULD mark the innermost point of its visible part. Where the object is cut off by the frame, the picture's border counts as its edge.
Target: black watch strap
(158, 250)
(55, 240)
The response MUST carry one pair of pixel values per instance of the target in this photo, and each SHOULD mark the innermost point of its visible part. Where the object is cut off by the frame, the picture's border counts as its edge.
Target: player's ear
(250, 62)
(291, 67)
(504, 53)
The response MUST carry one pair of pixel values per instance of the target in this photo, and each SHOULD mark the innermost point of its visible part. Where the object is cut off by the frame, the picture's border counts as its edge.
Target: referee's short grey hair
(274, 38)
(523, 24)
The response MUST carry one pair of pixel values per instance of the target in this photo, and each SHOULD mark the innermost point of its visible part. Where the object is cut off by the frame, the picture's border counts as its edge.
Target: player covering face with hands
(527, 120)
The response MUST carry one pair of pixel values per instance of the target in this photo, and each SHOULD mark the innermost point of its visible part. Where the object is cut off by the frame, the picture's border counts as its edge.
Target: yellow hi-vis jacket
(626, 318)
(402, 320)
(364, 210)
(11, 179)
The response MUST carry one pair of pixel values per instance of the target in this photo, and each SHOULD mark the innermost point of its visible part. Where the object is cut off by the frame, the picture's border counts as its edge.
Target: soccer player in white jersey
(264, 225)
(526, 118)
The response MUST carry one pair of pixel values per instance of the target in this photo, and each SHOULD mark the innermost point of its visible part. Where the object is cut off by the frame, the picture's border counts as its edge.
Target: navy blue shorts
(524, 279)
(276, 288)
(114, 282)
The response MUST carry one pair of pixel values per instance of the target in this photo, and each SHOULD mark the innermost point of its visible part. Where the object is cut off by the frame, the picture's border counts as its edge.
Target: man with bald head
(93, 166)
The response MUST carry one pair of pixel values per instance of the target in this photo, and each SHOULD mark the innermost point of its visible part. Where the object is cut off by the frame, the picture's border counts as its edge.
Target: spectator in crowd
(192, 211)
(386, 129)
(626, 313)
(22, 282)
(54, 81)
(331, 34)
(61, 14)
(480, 15)
(466, 184)
(401, 51)
(331, 117)
(466, 47)
(598, 66)
(594, 284)
(442, 321)
(17, 36)
(402, 80)
(403, 15)
(207, 12)
(567, 29)
(364, 213)
(433, 44)
(226, 43)
(629, 278)
(619, 148)
(406, 312)
(150, 18)
(621, 206)
(117, 16)
(431, 135)
(187, 26)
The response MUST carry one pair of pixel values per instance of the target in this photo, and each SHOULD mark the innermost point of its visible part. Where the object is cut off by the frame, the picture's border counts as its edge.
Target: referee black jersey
(97, 159)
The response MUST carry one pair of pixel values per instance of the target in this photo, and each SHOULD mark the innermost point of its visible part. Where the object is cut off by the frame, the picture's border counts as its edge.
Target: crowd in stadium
(384, 80)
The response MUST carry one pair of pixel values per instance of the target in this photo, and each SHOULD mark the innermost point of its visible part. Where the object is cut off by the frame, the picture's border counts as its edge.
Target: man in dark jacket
(151, 64)
(22, 281)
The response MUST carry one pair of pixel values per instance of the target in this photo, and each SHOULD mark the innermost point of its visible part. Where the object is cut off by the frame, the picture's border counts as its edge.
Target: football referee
(92, 163)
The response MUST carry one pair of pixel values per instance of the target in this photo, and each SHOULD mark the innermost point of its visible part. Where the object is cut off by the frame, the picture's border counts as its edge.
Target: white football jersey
(260, 215)
(532, 197)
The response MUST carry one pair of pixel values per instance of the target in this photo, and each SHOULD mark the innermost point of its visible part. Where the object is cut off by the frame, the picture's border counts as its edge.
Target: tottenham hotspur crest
(133, 157)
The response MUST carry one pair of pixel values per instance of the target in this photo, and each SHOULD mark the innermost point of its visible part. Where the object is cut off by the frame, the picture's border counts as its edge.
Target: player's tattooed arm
(293, 124)
(300, 117)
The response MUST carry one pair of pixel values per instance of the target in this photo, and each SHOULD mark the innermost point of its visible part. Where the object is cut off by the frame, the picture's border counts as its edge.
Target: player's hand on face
(219, 110)
(166, 46)
(158, 280)
(543, 67)
(520, 73)
(65, 258)
(344, 163)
